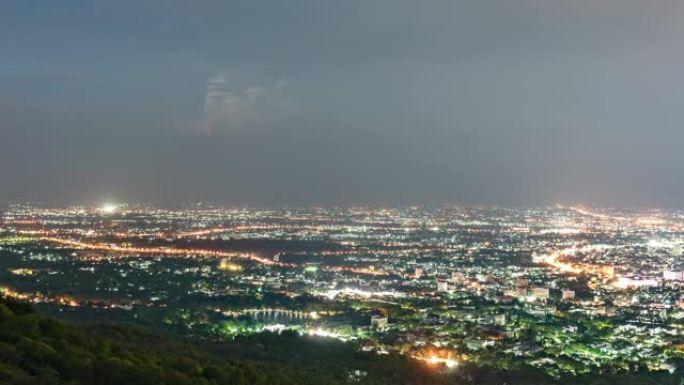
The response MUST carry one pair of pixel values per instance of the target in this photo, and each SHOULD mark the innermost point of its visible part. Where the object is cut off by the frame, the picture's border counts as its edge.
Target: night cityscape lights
(567, 289)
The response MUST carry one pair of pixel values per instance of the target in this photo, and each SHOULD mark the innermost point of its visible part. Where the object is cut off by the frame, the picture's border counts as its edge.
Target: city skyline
(341, 192)
(553, 295)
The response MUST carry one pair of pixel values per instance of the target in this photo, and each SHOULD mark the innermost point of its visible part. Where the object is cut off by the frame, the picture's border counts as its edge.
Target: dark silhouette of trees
(37, 350)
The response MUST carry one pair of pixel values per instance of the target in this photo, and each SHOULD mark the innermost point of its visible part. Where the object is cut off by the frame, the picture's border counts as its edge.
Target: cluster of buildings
(564, 288)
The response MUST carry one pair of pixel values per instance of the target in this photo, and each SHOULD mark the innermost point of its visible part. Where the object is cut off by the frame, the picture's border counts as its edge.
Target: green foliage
(36, 350)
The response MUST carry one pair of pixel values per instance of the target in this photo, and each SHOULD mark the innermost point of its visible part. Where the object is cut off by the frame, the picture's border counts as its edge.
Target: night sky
(292, 102)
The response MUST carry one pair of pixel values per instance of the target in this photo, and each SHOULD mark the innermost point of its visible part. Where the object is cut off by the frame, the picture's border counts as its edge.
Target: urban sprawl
(568, 289)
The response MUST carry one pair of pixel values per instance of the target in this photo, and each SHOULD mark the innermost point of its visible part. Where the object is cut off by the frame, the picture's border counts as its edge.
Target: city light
(439, 285)
(109, 208)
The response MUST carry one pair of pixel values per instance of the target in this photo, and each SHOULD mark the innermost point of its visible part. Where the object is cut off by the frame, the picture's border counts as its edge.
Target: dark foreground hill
(38, 350)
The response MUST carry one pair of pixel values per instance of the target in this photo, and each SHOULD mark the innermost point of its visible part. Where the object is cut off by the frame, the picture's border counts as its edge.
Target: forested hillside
(38, 350)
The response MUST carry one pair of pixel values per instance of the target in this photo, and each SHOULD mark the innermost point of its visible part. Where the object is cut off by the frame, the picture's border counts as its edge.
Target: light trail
(589, 213)
(554, 260)
(161, 250)
(206, 252)
(358, 270)
(638, 221)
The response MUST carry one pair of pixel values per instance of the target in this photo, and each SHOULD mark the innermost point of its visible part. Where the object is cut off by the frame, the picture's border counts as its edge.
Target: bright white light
(332, 293)
(626, 282)
(109, 208)
(276, 328)
(434, 360)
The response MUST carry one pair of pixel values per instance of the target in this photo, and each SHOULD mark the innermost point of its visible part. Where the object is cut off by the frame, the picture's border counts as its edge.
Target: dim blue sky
(511, 102)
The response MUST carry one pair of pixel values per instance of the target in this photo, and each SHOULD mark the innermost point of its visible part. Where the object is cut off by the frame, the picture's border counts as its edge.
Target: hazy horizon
(105, 206)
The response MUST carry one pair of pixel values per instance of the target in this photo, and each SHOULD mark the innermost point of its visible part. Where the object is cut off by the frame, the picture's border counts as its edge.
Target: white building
(379, 322)
(457, 277)
(568, 295)
(540, 293)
